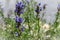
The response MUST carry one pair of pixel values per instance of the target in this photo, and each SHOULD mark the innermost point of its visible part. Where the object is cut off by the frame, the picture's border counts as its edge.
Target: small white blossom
(45, 27)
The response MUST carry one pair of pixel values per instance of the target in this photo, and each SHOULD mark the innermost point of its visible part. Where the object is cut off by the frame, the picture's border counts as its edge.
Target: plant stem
(56, 23)
(28, 25)
(38, 26)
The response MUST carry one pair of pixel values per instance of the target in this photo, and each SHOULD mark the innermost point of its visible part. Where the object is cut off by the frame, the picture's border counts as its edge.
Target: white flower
(58, 27)
(31, 31)
(25, 25)
(45, 27)
(3, 28)
(9, 25)
(48, 36)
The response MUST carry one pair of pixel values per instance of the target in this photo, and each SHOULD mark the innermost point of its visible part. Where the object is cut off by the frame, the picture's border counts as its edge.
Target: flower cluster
(44, 6)
(19, 10)
(18, 19)
(38, 9)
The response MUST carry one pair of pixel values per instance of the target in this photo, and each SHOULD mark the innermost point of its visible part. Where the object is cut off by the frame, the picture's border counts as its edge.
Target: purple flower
(27, 1)
(22, 29)
(37, 11)
(19, 8)
(58, 7)
(20, 20)
(39, 4)
(17, 26)
(17, 19)
(16, 34)
(38, 8)
(44, 6)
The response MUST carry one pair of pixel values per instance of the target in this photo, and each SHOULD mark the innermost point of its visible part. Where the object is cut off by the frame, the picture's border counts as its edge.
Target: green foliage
(30, 20)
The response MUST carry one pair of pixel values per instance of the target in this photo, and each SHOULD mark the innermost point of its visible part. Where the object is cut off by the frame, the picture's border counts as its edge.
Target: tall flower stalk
(18, 19)
(56, 23)
(28, 13)
(37, 16)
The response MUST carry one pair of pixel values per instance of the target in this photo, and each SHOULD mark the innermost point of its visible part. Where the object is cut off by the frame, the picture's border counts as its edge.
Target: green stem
(29, 15)
(28, 24)
(38, 26)
(56, 23)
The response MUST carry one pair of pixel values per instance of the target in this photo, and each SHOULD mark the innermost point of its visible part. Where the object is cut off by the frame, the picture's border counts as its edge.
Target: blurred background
(49, 20)
(8, 7)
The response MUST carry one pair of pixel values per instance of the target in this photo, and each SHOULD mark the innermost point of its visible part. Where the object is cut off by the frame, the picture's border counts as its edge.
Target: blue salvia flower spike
(19, 8)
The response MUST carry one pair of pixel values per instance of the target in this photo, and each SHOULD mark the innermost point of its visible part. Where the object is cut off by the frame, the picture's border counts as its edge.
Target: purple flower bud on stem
(16, 34)
(19, 8)
(17, 19)
(22, 29)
